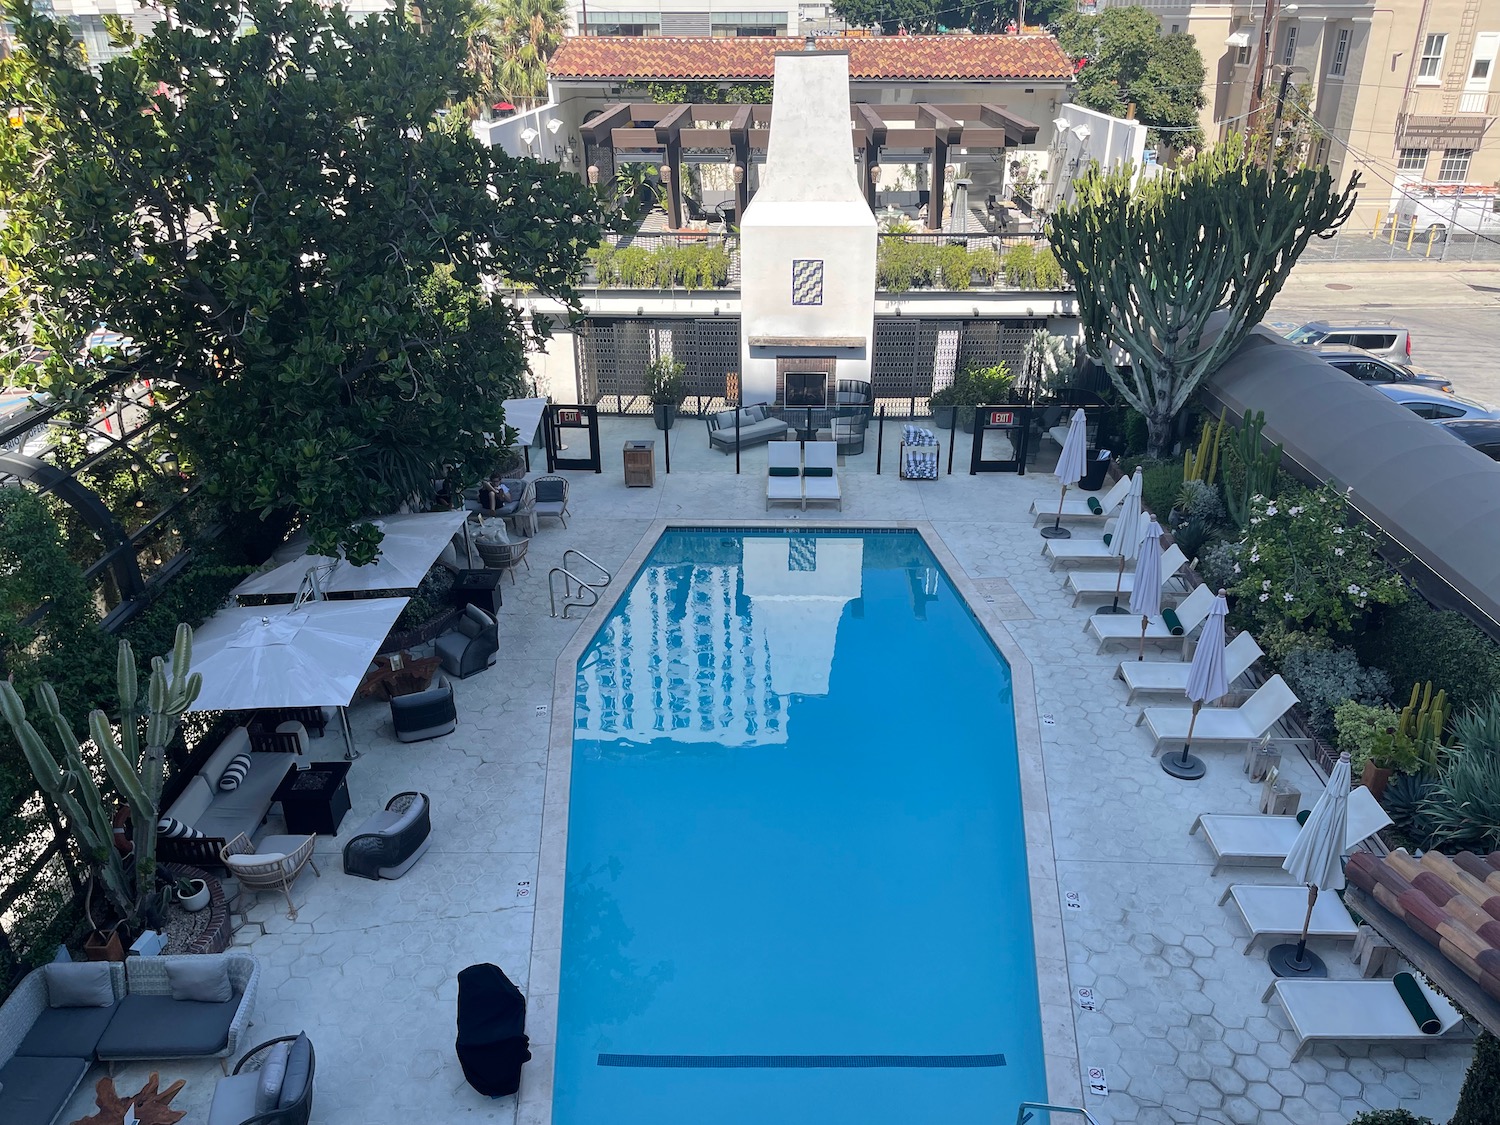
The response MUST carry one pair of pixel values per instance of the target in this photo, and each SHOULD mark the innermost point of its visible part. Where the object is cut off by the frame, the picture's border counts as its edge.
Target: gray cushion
(79, 984)
(234, 1100)
(34, 1091)
(298, 1072)
(724, 420)
(272, 1077)
(66, 1033)
(199, 978)
(158, 1027)
(244, 809)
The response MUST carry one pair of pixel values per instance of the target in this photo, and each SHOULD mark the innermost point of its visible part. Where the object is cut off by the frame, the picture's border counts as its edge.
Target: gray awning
(1239, 39)
(1436, 499)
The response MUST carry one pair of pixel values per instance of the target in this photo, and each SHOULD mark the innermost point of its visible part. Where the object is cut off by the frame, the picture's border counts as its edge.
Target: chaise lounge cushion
(244, 808)
(61, 1033)
(34, 1090)
(150, 1027)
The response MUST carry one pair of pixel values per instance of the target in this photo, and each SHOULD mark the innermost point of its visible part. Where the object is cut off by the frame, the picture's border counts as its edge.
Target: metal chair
(551, 498)
(274, 864)
(235, 1096)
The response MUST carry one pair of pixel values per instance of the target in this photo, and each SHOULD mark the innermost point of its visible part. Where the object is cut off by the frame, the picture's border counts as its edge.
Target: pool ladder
(587, 593)
(1026, 1112)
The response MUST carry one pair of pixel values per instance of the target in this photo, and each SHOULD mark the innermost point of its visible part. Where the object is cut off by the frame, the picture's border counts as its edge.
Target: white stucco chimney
(808, 237)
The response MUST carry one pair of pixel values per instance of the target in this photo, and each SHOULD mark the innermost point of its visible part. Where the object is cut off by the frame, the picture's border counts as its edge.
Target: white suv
(1385, 340)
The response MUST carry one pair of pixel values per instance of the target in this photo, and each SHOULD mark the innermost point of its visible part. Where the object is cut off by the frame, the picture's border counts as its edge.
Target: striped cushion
(171, 828)
(234, 773)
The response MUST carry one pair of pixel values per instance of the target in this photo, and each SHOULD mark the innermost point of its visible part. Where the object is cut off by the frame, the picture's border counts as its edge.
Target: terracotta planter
(1375, 779)
(104, 946)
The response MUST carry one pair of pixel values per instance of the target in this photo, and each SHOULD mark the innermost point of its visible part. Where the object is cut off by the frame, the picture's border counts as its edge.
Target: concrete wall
(1088, 137)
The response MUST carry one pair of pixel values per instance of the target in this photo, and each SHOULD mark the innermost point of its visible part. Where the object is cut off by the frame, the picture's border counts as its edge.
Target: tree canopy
(266, 199)
(1151, 262)
(1130, 61)
(510, 42)
(923, 17)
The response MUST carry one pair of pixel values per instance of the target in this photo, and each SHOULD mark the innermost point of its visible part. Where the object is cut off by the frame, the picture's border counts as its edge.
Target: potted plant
(664, 383)
(192, 894)
(1376, 745)
(972, 386)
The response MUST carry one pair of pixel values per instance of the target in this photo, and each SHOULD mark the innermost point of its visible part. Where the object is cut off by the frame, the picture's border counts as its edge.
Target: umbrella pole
(1294, 960)
(1141, 653)
(1057, 531)
(1187, 767)
(350, 753)
(1114, 606)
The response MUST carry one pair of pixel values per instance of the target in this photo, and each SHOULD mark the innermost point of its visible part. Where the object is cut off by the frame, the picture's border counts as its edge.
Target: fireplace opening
(806, 388)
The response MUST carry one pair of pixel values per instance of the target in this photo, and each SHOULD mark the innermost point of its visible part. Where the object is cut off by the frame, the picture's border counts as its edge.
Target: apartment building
(719, 18)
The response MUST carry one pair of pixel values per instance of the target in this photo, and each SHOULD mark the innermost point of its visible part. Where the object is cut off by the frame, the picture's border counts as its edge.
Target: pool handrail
(1023, 1111)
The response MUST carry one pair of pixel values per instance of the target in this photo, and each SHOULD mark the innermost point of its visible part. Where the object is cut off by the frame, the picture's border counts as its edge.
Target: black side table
(315, 800)
(478, 587)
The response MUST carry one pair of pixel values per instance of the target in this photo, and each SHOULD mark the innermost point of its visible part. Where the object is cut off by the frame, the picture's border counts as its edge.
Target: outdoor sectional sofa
(55, 1025)
(222, 815)
(756, 424)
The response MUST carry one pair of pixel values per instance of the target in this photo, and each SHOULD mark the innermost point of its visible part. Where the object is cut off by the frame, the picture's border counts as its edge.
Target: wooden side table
(640, 464)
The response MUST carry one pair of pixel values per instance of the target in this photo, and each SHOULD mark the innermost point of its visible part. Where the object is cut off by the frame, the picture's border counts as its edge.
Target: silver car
(1434, 405)
(1384, 340)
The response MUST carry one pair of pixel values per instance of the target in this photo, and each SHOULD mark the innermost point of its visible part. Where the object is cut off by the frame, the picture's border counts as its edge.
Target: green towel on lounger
(1108, 535)
(1094, 506)
(1416, 1003)
(1173, 622)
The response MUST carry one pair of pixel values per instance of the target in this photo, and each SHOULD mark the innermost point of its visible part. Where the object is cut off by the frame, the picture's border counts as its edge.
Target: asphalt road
(1453, 314)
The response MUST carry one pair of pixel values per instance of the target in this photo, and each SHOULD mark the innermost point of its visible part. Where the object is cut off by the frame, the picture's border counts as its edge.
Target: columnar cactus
(135, 773)
(1260, 468)
(1423, 719)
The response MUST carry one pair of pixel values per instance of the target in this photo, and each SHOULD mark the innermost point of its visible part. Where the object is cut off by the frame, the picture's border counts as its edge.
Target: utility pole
(1286, 80)
(1263, 48)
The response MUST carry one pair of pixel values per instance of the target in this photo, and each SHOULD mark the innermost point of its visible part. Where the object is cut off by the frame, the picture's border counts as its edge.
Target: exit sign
(1002, 418)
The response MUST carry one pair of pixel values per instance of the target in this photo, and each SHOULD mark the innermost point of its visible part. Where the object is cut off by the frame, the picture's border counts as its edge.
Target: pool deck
(1179, 1030)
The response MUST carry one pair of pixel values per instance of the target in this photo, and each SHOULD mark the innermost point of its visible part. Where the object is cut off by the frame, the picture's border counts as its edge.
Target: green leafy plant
(431, 600)
(1405, 796)
(1415, 641)
(1255, 466)
(956, 267)
(1197, 500)
(1479, 1100)
(1324, 678)
(1389, 1117)
(1191, 536)
(1366, 731)
(1464, 806)
(974, 386)
(1160, 483)
(666, 381)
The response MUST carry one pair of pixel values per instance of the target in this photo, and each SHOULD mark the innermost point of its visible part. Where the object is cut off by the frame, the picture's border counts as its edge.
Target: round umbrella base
(1284, 963)
(1111, 609)
(1192, 769)
(1056, 533)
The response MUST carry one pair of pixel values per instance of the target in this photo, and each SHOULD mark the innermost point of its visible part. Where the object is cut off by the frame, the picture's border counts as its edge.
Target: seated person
(494, 494)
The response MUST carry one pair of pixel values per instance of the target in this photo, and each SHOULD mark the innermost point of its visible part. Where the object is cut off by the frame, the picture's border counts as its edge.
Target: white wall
(506, 133)
(1112, 141)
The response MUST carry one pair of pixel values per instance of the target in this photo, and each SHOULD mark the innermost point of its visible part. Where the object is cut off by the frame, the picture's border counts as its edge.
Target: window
(1455, 166)
(1320, 153)
(1375, 341)
(1432, 58)
(1480, 71)
(1412, 160)
(1176, 28)
(1242, 55)
(1289, 46)
(1340, 61)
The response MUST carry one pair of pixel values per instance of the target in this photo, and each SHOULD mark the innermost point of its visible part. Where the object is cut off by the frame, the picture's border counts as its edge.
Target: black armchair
(235, 1097)
(471, 645)
(425, 714)
(390, 842)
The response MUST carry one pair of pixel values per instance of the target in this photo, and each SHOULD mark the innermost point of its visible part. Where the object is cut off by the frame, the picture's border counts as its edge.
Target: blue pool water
(796, 877)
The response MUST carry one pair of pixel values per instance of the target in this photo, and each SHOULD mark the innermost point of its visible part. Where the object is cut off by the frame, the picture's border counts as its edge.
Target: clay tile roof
(658, 58)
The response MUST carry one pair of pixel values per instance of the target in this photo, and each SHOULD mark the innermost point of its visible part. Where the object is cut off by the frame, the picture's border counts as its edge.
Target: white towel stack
(921, 464)
(916, 435)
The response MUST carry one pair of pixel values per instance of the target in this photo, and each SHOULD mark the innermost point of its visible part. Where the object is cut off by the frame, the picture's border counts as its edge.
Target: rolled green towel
(1416, 1003)
(817, 471)
(1302, 817)
(1094, 506)
(1108, 535)
(784, 470)
(1173, 622)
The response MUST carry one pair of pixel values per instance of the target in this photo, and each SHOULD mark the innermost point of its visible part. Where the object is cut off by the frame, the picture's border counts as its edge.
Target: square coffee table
(314, 800)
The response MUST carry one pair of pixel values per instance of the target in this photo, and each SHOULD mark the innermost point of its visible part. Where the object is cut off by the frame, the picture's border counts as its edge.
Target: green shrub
(636, 267)
(1199, 501)
(1216, 565)
(986, 263)
(1363, 730)
(953, 264)
(1160, 483)
(1390, 1117)
(1325, 678)
(1413, 642)
(901, 265)
(1463, 809)
(1479, 1100)
(974, 385)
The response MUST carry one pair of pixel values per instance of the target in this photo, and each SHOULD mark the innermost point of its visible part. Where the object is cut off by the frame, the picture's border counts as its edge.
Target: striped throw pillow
(170, 828)
(234, 773)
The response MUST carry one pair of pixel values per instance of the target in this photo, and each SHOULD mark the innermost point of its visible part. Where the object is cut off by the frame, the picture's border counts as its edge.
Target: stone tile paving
(368, 969)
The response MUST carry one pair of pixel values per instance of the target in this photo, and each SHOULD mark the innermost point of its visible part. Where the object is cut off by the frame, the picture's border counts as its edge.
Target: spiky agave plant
(134, 772)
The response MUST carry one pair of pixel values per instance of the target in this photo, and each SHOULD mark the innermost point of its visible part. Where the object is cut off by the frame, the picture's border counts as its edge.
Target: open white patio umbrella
(1207, 682)
(1125, 540)
(1145, 597)
(1316, 859)
(1069, 469)
(411, 544)
(313, 655)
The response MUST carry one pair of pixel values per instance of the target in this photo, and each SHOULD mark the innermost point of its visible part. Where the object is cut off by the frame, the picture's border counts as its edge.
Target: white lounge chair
(1157, 677)
(1077, 507)
(783, 487)
(1101, 583)
(820, 474)
(1247, 840)
(1277, 912)
(1357, 1011)
(1126, 627)
(1233, 726)
(1081, 552)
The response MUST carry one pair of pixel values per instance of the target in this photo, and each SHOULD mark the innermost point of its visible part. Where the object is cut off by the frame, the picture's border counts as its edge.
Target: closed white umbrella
(1125, 541)
(1069, 469)
(1316, 859)
(1145, 598)
(1207, 682)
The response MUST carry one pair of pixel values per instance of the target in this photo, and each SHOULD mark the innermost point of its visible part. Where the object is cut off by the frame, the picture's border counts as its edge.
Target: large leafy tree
(299, 245)
(1150, 263)
(510, 43)
(929, 16)
(1130, 62)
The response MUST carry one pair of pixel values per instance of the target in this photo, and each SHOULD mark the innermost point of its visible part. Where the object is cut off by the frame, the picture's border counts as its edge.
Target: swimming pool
(796, 871)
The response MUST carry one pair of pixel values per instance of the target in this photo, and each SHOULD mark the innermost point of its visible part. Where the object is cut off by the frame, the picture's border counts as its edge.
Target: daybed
(211, 815)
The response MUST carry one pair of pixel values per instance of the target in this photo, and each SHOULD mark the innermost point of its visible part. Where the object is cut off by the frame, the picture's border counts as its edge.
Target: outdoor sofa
(426, 714)
(756, 424)
(213, 815)
(64, 1016)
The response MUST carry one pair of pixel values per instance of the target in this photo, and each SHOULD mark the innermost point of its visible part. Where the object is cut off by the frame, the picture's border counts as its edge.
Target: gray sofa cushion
(199, 978)
(63, 1033)
(244, 808)
(33, 1091)
(158, 1027)
(298, 1072)
(79, 984)
(234, 1099)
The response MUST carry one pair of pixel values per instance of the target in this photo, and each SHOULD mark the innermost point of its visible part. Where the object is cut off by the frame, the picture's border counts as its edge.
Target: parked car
(1481, 433)
(1384, 340)
(1369, 368)
(1434, 405)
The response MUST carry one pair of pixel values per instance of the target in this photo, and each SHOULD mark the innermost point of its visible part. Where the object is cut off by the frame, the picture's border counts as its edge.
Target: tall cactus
(136, 773)
(1205, 463)
(1422, 721)
(1259, 468)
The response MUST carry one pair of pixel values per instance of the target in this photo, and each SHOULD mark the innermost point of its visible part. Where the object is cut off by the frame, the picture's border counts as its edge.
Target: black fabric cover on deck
(492, 1042)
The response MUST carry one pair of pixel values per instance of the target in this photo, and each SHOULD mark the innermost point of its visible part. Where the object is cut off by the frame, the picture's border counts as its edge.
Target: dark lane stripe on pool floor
(802, 1062)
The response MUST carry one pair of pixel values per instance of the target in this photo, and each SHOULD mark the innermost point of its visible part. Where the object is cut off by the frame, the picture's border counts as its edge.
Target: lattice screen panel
(895, 356)
(715, 354)
(988, 342)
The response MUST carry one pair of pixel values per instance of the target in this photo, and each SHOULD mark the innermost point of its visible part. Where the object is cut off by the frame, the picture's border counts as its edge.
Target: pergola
(736, 129)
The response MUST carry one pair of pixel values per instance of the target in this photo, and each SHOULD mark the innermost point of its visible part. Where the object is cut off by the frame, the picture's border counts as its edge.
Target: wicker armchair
(235, 1096)
(504, 556)
(390, 842)
(520, 514)
(552, 498)
(274, 865)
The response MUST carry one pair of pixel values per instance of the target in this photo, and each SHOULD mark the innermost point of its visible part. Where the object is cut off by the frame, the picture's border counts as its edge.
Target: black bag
(492, 1042)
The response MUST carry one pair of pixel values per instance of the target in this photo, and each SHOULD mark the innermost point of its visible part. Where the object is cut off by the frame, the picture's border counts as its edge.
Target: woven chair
(235, 1096)
(552, 498)
(275, 864)
(386, 845)
(504, 556)
(520, 514)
